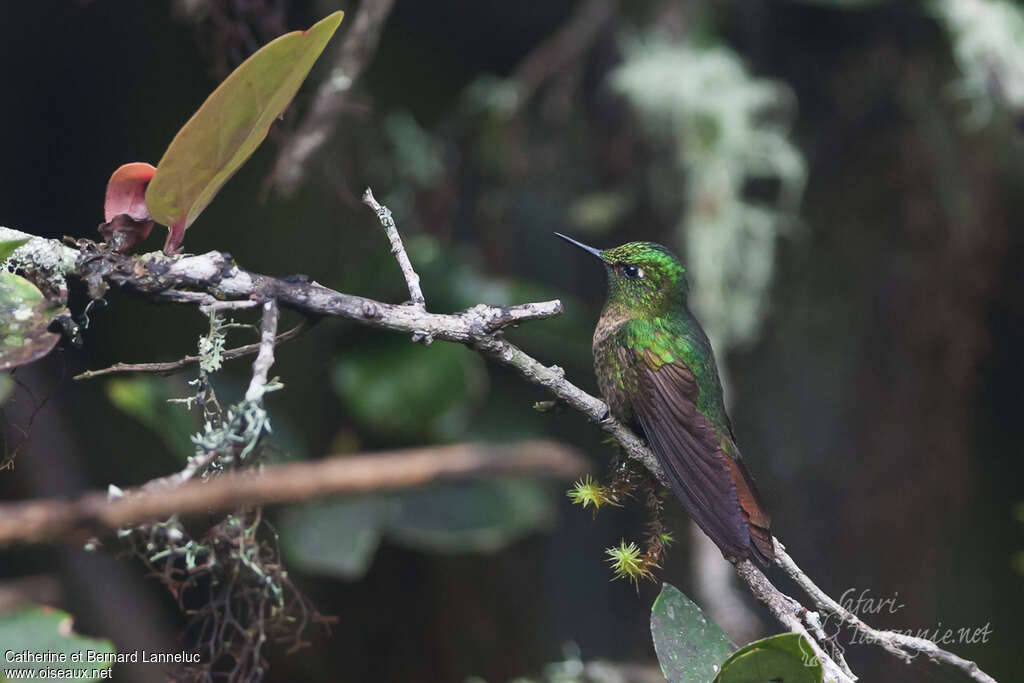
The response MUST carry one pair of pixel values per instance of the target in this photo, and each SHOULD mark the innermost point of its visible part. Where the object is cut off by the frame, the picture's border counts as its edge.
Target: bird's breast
(613, 366)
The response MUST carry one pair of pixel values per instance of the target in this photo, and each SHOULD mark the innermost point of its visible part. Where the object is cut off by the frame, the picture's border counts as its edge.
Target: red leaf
(128, 220)
(126, 191)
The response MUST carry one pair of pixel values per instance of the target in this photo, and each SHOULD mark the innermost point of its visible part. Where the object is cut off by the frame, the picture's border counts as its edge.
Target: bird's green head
(643, 277)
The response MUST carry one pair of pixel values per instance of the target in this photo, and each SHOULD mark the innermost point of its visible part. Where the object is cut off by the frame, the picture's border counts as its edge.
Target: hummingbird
(657, 373)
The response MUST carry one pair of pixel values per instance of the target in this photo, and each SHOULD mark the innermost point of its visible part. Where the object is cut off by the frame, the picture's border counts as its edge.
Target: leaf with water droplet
(690, 647)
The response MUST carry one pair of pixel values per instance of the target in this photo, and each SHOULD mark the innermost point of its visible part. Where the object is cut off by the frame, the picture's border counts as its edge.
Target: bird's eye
(633, 272)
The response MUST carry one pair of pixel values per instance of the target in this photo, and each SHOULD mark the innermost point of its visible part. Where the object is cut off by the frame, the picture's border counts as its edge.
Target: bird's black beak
(591, 250)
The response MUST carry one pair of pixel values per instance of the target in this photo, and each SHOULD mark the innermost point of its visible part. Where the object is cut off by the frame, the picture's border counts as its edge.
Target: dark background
(878, 402)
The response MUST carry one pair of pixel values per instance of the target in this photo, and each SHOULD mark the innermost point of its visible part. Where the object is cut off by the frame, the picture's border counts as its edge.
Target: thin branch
(175, 365)
(265, 357)
(397, 248)
(94, 514)
(567, 45)
(788, 612)
(354, 52)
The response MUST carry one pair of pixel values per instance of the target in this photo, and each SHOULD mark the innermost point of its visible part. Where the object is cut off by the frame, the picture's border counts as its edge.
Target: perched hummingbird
(657, 372)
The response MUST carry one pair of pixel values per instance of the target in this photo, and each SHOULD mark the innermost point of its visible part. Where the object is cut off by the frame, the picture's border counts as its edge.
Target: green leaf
(411, 392)
(230, 125)
(338, 537)
(25, 317)
(475, 517)
(46, 630)
(7, 248)
(786, 658)
(690, 647)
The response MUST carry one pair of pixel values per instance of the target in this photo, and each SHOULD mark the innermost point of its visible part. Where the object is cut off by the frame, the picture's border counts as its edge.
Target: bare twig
(788, 611)
(175, 365)
(565, 46)
(397, 248)
(354, 52)
(93, 514)
(265, 357)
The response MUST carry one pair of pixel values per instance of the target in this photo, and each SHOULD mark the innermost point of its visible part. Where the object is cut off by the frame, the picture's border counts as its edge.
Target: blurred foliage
(145, 398)
(334, 537)
(988, 44)
(44, 630)
(846, 4)
(341, 537)
(474, 517)
(411, 391)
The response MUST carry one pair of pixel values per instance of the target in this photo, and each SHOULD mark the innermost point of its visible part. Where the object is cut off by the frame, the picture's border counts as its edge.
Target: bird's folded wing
(689, 447)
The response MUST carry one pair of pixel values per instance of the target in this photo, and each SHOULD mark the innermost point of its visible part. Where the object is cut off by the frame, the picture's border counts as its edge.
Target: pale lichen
(726, 127)
(988, 45)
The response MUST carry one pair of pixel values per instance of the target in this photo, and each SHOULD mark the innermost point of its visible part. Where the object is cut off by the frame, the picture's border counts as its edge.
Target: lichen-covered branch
(99, 513)
(265, 357)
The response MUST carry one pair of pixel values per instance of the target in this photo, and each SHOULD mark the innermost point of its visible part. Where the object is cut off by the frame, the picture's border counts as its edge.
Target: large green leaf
(470, 517)
(43, 630)
(230, 125)
(337, 537)
(785, 658)
(690, 647)
(25, 317)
